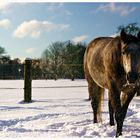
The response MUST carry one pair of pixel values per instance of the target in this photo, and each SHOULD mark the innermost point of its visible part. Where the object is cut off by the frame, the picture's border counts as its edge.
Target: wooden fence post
(28, 80)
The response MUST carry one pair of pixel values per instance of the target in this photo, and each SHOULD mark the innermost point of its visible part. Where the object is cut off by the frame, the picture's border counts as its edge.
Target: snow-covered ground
(59, 110)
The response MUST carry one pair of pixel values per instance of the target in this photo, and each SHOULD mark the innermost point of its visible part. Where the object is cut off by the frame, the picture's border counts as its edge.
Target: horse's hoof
(95, 121)
(112, 123)
(118, 134)
(87, 100)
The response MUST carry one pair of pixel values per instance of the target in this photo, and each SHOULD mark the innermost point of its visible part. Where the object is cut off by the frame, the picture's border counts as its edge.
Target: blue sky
(27, 29)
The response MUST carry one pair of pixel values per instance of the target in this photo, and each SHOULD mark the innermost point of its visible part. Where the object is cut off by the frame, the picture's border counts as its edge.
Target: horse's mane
(129, 38)
(132, 39)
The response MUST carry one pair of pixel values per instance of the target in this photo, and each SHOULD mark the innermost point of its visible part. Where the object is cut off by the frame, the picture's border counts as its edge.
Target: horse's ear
(124, 36)
(138, 35)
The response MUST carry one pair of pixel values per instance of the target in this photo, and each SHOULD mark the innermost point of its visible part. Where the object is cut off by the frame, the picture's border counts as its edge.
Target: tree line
(59, 60)
(64, 60)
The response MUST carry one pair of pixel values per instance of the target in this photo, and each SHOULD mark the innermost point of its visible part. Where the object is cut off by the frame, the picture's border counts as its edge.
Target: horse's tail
(101, 98)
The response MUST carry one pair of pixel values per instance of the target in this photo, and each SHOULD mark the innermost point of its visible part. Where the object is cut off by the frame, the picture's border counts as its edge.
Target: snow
(59, 110)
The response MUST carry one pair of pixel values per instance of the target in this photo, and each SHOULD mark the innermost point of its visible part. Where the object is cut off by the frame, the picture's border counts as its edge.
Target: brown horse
(114, 64)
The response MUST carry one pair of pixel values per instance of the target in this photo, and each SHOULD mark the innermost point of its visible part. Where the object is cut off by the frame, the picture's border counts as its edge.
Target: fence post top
(28, 59)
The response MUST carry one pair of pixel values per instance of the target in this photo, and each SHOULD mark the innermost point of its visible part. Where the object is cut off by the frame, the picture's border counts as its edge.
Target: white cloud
(4, 4)
(5, 23)
(79, 38)
(59, 8)
(30, 50)
(122, 9)
(34, 28)
(54, 6)
(115, 35)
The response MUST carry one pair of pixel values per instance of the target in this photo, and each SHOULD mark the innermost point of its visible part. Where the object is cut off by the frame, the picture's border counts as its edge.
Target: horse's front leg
(125, 100)
(120, 115)
(111, 112)
(116, 103)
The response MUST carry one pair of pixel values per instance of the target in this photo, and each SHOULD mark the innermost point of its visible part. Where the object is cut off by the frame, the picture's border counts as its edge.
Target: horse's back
(98, 43)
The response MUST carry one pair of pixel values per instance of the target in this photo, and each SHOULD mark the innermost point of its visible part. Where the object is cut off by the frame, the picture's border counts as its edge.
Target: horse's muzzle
(132, 77)
(129, 87)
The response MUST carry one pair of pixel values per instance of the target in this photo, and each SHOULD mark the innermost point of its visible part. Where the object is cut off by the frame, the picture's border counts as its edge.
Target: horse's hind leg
(96, 98)
(111, 111)
(90, 84)
(90, 89)
(94, 94)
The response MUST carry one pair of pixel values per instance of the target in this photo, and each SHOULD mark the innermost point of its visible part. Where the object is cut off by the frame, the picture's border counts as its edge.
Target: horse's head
(131, 56)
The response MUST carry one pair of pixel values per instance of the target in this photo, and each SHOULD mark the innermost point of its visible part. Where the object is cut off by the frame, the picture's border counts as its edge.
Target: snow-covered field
(59, 112)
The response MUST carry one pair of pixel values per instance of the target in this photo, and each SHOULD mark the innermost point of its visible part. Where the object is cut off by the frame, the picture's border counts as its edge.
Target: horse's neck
(122, 45)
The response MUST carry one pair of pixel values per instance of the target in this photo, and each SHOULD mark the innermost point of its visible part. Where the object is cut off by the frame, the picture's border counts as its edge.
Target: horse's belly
(97, 73)
(99, 79)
